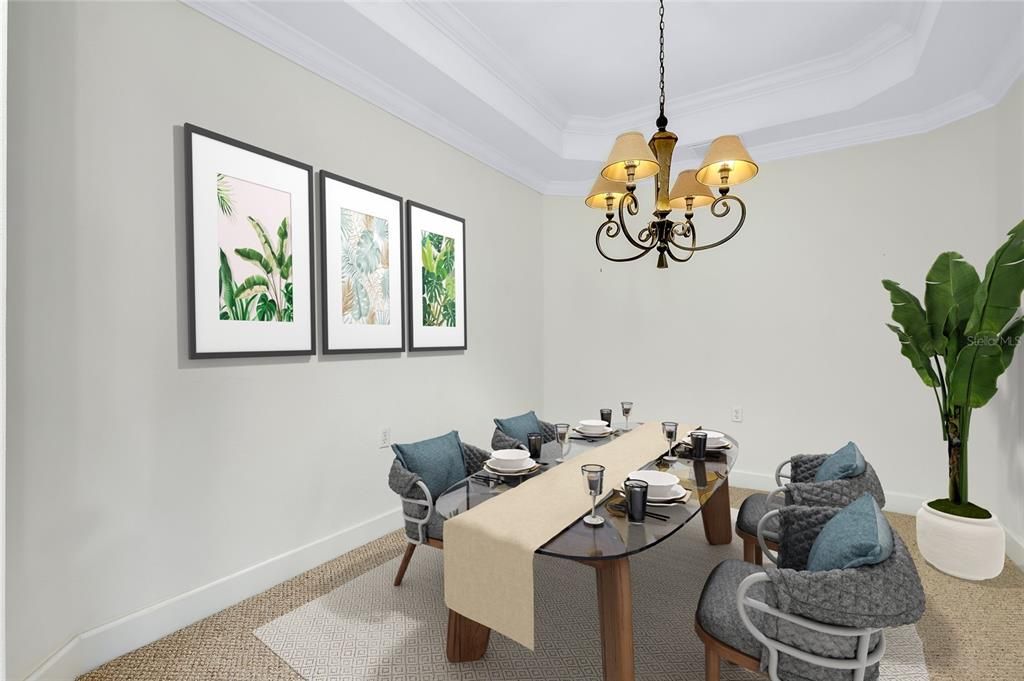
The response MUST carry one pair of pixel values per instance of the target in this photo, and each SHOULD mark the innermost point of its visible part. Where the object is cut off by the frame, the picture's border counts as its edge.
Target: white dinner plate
(587, 433)
(499, 468)
(677, 493)
(716, 440)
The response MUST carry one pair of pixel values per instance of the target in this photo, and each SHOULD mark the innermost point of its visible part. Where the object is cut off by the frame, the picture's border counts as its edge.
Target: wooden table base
(467, 640)
(615, 609)
(717, 516)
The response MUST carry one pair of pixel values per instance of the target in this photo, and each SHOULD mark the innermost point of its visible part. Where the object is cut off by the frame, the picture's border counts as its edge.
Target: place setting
(593, 430)
(641, 490)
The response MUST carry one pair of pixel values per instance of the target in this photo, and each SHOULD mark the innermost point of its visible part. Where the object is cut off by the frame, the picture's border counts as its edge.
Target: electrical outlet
(385, 438)
(737, 414)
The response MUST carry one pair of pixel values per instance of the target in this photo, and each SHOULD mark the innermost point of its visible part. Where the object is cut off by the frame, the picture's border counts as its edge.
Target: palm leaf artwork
(365, 269)
(960, 342)
(438, 275)
(224, 194)
(265, 294)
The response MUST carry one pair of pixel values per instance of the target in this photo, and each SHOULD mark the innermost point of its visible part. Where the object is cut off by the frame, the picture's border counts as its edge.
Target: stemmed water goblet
(627, 409)
(593, 474)
(669, 429)
(562, 437)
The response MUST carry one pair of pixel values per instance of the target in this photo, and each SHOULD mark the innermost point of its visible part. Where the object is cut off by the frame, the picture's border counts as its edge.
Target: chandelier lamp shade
(633, 158)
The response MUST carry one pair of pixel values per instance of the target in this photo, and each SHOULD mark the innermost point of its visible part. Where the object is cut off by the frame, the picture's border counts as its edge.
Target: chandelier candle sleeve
(726, 164)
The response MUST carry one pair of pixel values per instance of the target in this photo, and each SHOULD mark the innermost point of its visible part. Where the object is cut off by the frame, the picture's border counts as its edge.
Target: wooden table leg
(615, 606)
(717, 516)
(467, 640)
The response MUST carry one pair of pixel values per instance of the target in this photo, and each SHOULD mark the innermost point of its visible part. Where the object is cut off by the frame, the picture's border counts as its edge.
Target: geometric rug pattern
(369, 629)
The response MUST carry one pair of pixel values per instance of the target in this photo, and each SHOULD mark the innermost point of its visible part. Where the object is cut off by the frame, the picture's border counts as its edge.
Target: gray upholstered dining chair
(510, 433)
(797, 624)
(811, 481)
(420, 472)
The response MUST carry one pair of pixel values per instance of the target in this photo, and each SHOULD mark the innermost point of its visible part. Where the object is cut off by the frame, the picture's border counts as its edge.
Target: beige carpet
(367, 630)
(971, 631)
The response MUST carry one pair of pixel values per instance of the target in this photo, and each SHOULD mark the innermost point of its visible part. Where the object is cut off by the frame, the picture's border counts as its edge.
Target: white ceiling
(539, 90)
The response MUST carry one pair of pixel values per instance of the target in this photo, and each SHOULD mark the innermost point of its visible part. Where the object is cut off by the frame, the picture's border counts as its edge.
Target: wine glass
(562, 437)
(593, 474)
(627, 408)
(669, 429)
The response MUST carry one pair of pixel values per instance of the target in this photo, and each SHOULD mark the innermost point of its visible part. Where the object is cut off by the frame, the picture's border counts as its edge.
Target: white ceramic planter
(963, 547)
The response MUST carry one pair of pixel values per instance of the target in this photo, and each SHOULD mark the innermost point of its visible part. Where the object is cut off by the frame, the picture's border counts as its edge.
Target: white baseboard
(92, 648)
(896, 502)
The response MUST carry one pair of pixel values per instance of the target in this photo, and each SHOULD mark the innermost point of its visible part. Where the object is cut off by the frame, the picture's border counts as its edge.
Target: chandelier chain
(661, 56)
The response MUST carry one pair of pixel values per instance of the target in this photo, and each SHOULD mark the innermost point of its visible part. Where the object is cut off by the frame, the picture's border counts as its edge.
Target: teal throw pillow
(847, 462)
(518, 427)
(857, 535)
(438, 461)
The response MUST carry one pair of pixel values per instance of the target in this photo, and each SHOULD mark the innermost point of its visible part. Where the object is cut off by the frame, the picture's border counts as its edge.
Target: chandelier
(725, 165)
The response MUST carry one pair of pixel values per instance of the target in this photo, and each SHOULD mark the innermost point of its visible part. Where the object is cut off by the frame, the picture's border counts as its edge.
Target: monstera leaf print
(438, 271)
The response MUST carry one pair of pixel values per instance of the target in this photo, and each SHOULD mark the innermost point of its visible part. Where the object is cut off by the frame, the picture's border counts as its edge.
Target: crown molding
(248, 19)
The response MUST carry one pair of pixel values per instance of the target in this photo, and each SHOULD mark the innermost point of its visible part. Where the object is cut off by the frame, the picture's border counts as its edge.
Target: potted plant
(959, 342)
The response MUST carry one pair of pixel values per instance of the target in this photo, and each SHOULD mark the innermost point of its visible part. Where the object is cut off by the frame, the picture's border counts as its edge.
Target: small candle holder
(593, 474)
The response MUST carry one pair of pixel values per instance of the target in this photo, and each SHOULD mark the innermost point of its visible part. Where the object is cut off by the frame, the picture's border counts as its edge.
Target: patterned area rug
(368, 629)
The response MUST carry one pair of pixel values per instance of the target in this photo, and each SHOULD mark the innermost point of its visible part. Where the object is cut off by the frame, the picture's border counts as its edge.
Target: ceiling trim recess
(890, 55)
(246, 18)
(990, 91)
(444, 38)
(818, 87)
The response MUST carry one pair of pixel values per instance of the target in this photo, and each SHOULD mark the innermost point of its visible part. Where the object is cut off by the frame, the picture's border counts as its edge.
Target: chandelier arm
(719, 209)
(692, 233)
(614, 226)
(632, 208)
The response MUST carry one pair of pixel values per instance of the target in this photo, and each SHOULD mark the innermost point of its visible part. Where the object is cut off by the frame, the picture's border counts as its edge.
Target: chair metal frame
(421, 523)
(857, 665)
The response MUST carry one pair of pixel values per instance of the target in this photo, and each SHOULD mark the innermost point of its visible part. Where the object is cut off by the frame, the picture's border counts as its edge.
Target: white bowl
(593, 426)
(510, 459)
(659, 484)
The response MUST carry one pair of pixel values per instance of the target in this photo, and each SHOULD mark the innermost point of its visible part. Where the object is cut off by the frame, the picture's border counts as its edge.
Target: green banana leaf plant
(959, 342)
(269, 297)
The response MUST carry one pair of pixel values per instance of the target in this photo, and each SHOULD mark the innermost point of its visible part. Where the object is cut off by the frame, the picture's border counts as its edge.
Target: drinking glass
(534, 442)
(593, 474)
(636, 500)
(669, 430)
(627, 408)
(606, 416)
(562, 436)
(699, 444)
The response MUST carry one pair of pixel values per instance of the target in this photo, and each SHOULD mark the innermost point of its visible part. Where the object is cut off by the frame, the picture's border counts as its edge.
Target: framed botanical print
(361, 258)
(436, 278)
(250, 249)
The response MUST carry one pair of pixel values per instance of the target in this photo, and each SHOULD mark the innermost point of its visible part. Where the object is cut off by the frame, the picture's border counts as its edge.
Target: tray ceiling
(538, 90)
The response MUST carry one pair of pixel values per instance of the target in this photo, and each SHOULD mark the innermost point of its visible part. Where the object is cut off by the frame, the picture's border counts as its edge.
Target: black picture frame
(191, 130)
(324, 312)
(410, 303)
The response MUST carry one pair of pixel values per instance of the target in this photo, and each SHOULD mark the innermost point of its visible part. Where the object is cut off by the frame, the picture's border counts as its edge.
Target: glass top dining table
(617, 537)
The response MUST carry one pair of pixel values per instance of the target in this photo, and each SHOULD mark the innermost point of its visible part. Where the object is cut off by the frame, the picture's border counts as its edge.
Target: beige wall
(788, 319)
(136, 474)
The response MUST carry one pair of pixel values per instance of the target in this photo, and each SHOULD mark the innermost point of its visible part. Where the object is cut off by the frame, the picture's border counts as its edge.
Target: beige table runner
(489, 550)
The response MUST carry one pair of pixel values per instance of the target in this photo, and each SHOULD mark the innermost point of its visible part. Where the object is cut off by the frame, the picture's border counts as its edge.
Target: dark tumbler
(534, 442)
(606, 416)
(636, 500)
